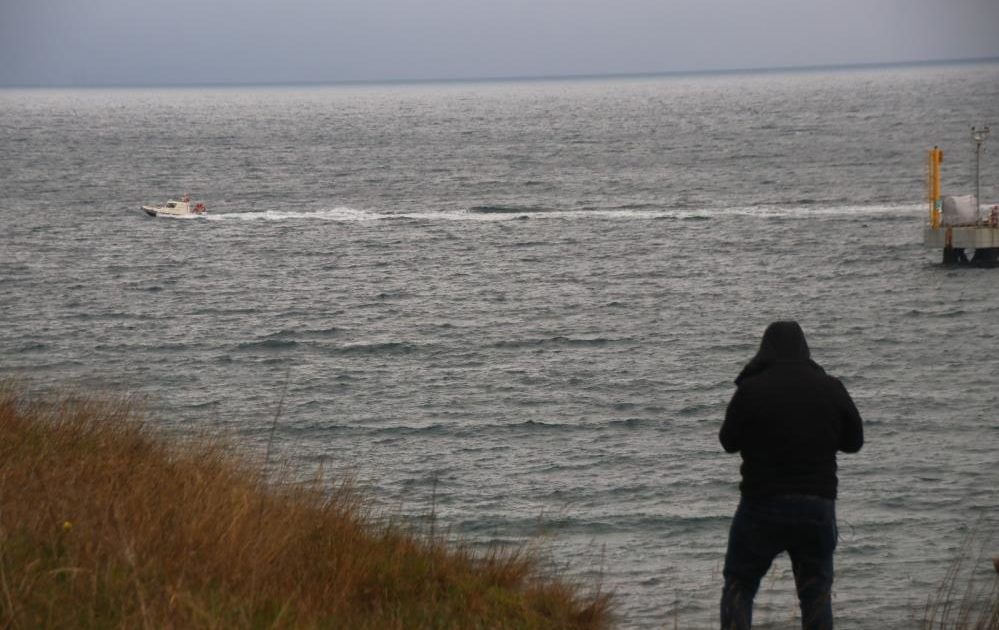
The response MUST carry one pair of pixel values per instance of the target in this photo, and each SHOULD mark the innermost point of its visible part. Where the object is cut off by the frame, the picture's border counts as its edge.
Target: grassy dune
(104, 524)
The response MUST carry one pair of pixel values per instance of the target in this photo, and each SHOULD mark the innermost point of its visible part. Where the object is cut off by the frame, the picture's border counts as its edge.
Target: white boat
(177, 209)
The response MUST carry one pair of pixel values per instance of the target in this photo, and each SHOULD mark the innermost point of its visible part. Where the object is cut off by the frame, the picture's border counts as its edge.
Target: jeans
(803, 526)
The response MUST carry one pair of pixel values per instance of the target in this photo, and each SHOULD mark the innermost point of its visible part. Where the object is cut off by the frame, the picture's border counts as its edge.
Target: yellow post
(929, 182)
(935, 157)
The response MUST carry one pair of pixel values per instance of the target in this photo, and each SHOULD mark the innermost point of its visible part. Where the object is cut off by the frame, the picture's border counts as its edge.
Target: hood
(783, 342)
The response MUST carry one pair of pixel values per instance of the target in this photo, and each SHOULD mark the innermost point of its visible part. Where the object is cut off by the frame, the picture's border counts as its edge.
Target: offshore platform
(957, 225)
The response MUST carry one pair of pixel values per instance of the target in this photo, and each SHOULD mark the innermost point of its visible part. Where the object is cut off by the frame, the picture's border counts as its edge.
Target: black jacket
(789, 418)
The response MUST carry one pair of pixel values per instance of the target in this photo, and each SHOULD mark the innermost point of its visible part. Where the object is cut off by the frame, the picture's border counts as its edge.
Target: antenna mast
(978, 136)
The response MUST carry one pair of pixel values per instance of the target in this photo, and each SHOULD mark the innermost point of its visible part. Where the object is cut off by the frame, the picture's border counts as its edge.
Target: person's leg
(812, 560)
(751, 549)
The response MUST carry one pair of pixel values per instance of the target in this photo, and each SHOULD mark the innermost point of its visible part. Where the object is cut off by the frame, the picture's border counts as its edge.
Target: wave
(387, 347)
(281, 341)
(31, 346)
(943, 313)
(557, 341)
(528, 427)
(635, 423)
(507, 210)
(568, 524)
(309, 333)
(268, 344)
(537, 425)
(400, 430)
(698, 409)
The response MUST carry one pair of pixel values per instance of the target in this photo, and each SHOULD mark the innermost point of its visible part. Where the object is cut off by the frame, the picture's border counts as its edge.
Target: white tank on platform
(960, 210)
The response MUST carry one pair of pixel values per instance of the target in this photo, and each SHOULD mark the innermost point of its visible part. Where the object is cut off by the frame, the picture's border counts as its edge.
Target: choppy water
(530, 299)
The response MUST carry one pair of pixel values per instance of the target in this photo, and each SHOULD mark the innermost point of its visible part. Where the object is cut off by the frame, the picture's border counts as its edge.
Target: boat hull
(172, 213)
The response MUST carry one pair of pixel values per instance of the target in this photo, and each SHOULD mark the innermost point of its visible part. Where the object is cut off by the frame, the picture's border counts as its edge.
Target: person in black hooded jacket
(788, 419)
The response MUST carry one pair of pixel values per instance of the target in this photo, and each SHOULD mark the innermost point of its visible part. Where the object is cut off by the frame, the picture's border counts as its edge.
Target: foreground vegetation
(105, 524)
(964, 600)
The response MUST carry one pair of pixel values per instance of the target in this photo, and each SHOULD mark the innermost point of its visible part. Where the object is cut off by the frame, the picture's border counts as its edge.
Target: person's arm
(852, 436)
(731, 432)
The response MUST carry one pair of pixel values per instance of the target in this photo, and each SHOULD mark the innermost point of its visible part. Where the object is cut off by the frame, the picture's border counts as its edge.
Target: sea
(516, 307)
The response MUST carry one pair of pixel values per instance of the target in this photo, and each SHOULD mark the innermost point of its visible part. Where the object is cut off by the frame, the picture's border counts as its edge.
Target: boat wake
(332, 214)
(346, 214)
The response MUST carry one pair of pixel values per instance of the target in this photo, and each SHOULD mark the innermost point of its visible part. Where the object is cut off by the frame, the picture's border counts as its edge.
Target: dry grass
(968, 597)
(105, 524)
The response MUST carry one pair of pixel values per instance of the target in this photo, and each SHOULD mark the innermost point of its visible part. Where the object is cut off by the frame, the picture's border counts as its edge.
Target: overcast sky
(46, 42)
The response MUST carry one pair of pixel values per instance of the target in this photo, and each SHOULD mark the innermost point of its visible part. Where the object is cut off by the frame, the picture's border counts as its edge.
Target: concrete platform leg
(954, 256)
(986, 257)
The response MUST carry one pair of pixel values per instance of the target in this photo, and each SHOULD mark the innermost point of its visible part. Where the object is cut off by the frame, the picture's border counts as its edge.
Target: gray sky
(46, 42)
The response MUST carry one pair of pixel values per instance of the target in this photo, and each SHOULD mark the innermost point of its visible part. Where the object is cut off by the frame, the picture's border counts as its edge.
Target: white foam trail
(347, 214)
(341, 213)
(794, 212)
(805, 212)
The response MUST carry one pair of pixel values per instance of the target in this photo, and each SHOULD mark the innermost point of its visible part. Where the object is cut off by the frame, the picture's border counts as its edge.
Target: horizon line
(510, 78)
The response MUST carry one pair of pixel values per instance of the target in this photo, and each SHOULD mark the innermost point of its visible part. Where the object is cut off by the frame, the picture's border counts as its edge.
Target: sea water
(520, 305)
